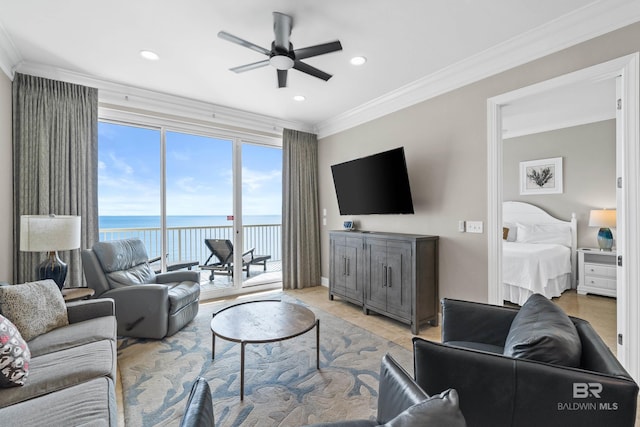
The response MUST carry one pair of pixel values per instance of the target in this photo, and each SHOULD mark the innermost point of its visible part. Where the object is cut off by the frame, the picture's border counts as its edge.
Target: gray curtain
(55, 163)
(300, 215)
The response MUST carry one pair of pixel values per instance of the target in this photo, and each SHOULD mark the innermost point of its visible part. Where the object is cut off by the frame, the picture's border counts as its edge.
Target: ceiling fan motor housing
(280, 58)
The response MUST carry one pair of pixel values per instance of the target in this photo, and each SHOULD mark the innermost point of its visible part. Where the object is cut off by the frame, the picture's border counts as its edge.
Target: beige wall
(589, 172)
(6, 182)
(445, 141)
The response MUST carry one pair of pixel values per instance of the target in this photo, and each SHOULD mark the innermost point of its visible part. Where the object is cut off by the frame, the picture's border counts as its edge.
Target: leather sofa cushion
(542, 331)
(119, 255)
(138, 275)
(439, 410)
(182, 294)
(489, 348)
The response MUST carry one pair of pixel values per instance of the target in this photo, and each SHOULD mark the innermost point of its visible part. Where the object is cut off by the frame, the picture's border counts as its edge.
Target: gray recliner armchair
(148, 305)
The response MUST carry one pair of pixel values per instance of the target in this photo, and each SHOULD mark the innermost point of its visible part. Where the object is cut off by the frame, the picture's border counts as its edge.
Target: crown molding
(588, 22)
(10, 58)
(113, 96)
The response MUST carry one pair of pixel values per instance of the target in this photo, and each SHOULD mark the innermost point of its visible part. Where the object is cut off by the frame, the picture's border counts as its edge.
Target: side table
(597, 272)
(75, 294)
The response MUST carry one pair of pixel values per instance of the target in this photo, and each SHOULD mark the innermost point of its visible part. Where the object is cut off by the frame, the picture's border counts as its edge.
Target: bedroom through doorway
(619, 80)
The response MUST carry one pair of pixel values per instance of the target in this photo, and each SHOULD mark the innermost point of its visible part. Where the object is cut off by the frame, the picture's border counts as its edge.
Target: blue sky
(199, 174)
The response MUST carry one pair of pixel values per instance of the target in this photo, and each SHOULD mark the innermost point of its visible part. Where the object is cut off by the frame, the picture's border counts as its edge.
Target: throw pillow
(542, 331)
(14, 355)
(35, 307)
(505, 233)
(439, 410)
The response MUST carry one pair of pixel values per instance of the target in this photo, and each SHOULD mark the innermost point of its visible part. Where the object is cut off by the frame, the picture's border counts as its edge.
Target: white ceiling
(405, 41)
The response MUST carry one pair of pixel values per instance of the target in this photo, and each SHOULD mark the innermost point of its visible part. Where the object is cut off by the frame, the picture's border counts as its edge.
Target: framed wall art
(542, 176)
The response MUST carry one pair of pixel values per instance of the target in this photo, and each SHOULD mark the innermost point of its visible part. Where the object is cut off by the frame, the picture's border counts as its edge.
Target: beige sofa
(72, 373)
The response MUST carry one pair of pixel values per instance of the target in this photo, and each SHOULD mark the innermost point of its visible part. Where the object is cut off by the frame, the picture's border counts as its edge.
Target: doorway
(625, 71)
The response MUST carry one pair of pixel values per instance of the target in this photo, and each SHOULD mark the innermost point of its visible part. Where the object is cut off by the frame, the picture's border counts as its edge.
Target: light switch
(474, 227)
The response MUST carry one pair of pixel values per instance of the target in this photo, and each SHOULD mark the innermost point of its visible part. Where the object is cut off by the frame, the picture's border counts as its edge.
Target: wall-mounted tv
(376, 184)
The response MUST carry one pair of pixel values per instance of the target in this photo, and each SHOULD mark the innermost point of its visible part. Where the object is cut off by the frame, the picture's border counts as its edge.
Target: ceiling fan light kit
(282, 55)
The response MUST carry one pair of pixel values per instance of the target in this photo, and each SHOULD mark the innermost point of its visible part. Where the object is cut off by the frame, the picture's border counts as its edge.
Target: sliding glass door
(175, 190)
(262, 213)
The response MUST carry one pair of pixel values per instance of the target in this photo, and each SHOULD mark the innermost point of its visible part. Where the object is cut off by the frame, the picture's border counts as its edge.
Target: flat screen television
(376, 184)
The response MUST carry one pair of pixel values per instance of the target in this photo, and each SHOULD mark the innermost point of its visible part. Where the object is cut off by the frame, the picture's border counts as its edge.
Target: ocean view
(141, 221)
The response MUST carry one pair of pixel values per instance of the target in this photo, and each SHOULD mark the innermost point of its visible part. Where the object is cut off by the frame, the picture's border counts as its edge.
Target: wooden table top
(74, 294)
(262, 321)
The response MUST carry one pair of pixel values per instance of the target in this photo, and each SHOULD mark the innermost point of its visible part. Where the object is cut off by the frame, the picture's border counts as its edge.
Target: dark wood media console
(390, 273)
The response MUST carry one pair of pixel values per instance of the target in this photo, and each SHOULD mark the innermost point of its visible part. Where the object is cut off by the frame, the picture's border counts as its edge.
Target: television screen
(377, 184)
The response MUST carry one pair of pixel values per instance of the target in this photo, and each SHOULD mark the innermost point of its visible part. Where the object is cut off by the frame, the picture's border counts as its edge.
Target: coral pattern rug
(282, 385)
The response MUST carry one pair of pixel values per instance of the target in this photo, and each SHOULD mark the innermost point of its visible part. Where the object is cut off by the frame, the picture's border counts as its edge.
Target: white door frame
(628, 245)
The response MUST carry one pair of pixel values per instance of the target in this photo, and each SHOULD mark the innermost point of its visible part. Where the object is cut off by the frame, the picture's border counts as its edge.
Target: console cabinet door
(399, 281)
(338, 267)
(376, 291)
(354, 268)
(347, 268)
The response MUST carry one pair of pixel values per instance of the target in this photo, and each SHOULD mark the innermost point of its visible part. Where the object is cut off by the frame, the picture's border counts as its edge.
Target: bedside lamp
(50, 233)
(604, 219)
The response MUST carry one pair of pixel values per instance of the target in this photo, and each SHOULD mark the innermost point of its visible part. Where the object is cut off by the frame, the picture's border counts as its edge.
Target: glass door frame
(166, 124)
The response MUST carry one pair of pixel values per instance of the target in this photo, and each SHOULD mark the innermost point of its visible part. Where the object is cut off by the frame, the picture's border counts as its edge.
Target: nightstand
(597, 272)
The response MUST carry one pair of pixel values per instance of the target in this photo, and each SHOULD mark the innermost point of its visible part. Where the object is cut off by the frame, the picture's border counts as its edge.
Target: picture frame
(543, 176)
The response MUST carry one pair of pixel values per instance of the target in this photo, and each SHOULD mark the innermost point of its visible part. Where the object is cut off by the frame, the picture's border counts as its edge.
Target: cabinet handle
(389, 276)
(344, 266)
(384, 276)
(348, 267)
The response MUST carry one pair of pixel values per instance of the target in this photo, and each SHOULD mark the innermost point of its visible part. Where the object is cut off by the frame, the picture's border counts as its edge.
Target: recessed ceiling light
(358, 60)
(151, 56)
(299, 98)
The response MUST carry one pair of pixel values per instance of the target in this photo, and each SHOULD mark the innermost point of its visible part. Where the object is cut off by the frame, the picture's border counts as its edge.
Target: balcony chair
(222, 250)
(533, 366)
(156, 265)
(148, 305)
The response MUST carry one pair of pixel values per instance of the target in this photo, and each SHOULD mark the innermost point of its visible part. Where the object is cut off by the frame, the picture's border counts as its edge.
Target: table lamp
(603, 218)
(50, 233)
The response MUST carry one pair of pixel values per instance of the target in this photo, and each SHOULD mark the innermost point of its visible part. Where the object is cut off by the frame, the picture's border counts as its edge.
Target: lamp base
(605, 239)
(53, 268)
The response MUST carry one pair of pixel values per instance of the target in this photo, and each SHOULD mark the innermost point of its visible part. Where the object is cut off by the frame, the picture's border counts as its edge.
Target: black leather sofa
(502, 390)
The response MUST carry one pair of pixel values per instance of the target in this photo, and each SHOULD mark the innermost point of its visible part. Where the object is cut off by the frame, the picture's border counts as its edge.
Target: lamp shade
(46, 233)
(604, 218)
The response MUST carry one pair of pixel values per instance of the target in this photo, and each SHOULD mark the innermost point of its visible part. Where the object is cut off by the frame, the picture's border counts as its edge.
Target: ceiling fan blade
(313, 71)
(319, 49)
(237, 40)
(252, 66)
(282, 78)
(282, 28)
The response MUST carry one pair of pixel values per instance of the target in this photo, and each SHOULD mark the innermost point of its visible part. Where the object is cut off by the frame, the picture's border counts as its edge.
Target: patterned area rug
(282, 385)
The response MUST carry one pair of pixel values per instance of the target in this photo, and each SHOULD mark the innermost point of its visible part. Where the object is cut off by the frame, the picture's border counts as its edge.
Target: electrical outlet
(474, 227)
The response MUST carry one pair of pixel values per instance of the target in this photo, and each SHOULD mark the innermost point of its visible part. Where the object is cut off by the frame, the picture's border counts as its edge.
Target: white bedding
(536, 267)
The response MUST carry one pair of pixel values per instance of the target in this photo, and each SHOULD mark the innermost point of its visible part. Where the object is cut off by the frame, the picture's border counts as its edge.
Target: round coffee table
(260, 322)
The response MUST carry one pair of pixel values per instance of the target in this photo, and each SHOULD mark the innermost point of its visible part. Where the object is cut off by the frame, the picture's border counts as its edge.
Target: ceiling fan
(282, 56)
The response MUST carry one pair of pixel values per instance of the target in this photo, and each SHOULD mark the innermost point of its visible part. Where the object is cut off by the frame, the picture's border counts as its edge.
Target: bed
(538, 252)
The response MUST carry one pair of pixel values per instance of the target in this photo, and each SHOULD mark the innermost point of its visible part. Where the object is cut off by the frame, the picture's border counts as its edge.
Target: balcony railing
(187, 243)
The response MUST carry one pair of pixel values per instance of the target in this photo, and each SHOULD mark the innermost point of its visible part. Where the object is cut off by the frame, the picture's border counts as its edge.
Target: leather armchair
(148, 305)
(499, 390)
